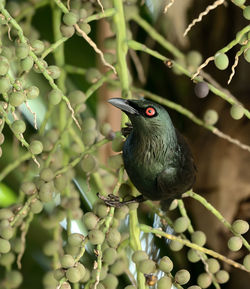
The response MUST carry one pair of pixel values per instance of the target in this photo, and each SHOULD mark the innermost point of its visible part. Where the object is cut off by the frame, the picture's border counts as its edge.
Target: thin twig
(168, 6)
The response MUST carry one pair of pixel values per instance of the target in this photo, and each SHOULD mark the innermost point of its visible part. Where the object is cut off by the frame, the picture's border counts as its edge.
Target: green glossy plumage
(156, 157)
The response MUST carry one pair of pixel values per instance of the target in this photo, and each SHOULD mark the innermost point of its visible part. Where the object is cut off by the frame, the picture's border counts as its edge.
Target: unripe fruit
(5, 84)
(234, 243)
(239, 2)
(36, 147)
(75, 239)
(59, 274)
(113, 237)
(5, 214)
(204, 280)
(96, 237)
(247, 54)
(181, 224)
(46, 174)
(90, 220)
(65, 285)
(109, 256)
(117, 144)
(38, 46)
(4, 246)
(18, 126)
(147, 266)
(76, 97)
(103, 273)
(166, 265)
(1, 138)
(55, 96)
(54, 71)
(182, 277)
(105, 129)
(246, 261)
(221, 61)
(4, 65)
(92, 75)
(193, 256)
(81, 269)
(27, 63)
(85, 27)
(22, 50)
(115, 162)
(100, 209)
(120, 213)
(70, 18)
(118, 267)
(110, 281)
(139, 256)
(240, 227)
(175, 245)
(194, 287)
(246, 12)
(67, 261)
(67, 31)
(32, 92)
(46, 192)
(73, 275)
(213, 265)
(14, 278)
(50, 248)
(237, 111)
(7, 259)
(211, 117)
(222, 276)
(201, 89)
(17, 98)
(89, 164)
(194, 59)
(7, 232)
(199, 238)
(164, 283)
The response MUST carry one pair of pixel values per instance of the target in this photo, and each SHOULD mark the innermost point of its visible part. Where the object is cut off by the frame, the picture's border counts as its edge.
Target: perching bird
(156, 157)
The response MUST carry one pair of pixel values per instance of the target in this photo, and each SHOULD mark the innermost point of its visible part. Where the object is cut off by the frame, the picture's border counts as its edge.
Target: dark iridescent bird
(156, 157)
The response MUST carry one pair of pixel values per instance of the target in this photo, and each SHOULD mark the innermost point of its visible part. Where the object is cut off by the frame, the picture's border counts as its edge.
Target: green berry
(6, 214)
(199, 238)
(240, 227)
(130, 287)
(103, 273)
(14, 278)
(181, 224)
(81, 269)
(237, 111)
(117, 144)
(115, 162)
(109, 256)
(32, 92)
(7, 232)
(27, 63)
(1, 138)
(105, 129)
(247, 54)
(166, 265)
(67, 261)
(60, 182)
(89, 137)
(246, 261)
(70, 18)
(194, 59)
(85, 27)
(17, 98)
(59, 274)
(46, 174)
(147, 266)
(7, 259)
(18, 126)
(234, 243)
(110, 282)
(54, 71)
(110, 43)
(92, 75)
(246, 12)
(164, 283)
(73, 275)
(75, 239)
(5, 84)
(22, 50)
(51, 247)
(213, 265)
(130, 11)
(175, 245)
(120, 213)
(118, 267)
(16, 245)
(4, 65)
(89, 164)
(4, 246)
(100, 209)
(239, 2)
(182, 277)
(36, 207)
(96, 237)
(194, 287)
(86, 276)
(49, 280)
(65, 285)
(211, 117)
(55, 96)
(221, 61)
(36, 147)
(113, 237)
(222, 276)
(76, 97)
(89, 123)
(46, 192)
(67, 31)
(204, 280)
(193, 256)
(38, 46)
(90, 220)
(139, 256)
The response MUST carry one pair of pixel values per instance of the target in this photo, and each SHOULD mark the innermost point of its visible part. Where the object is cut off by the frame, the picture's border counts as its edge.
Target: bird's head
(144, 114)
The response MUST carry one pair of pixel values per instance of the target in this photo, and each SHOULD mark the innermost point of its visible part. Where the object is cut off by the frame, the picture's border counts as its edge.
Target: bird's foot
(113, 201)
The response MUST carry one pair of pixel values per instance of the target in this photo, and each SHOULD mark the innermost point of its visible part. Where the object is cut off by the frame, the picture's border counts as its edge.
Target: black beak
(124, 105)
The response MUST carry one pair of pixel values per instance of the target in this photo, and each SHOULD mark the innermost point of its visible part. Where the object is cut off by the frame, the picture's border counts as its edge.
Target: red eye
(150, 111)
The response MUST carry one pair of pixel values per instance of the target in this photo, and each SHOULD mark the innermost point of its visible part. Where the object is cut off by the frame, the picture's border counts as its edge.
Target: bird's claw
(111, 200)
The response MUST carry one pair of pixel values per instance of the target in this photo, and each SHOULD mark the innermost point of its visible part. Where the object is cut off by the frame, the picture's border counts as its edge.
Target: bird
(156, 156)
